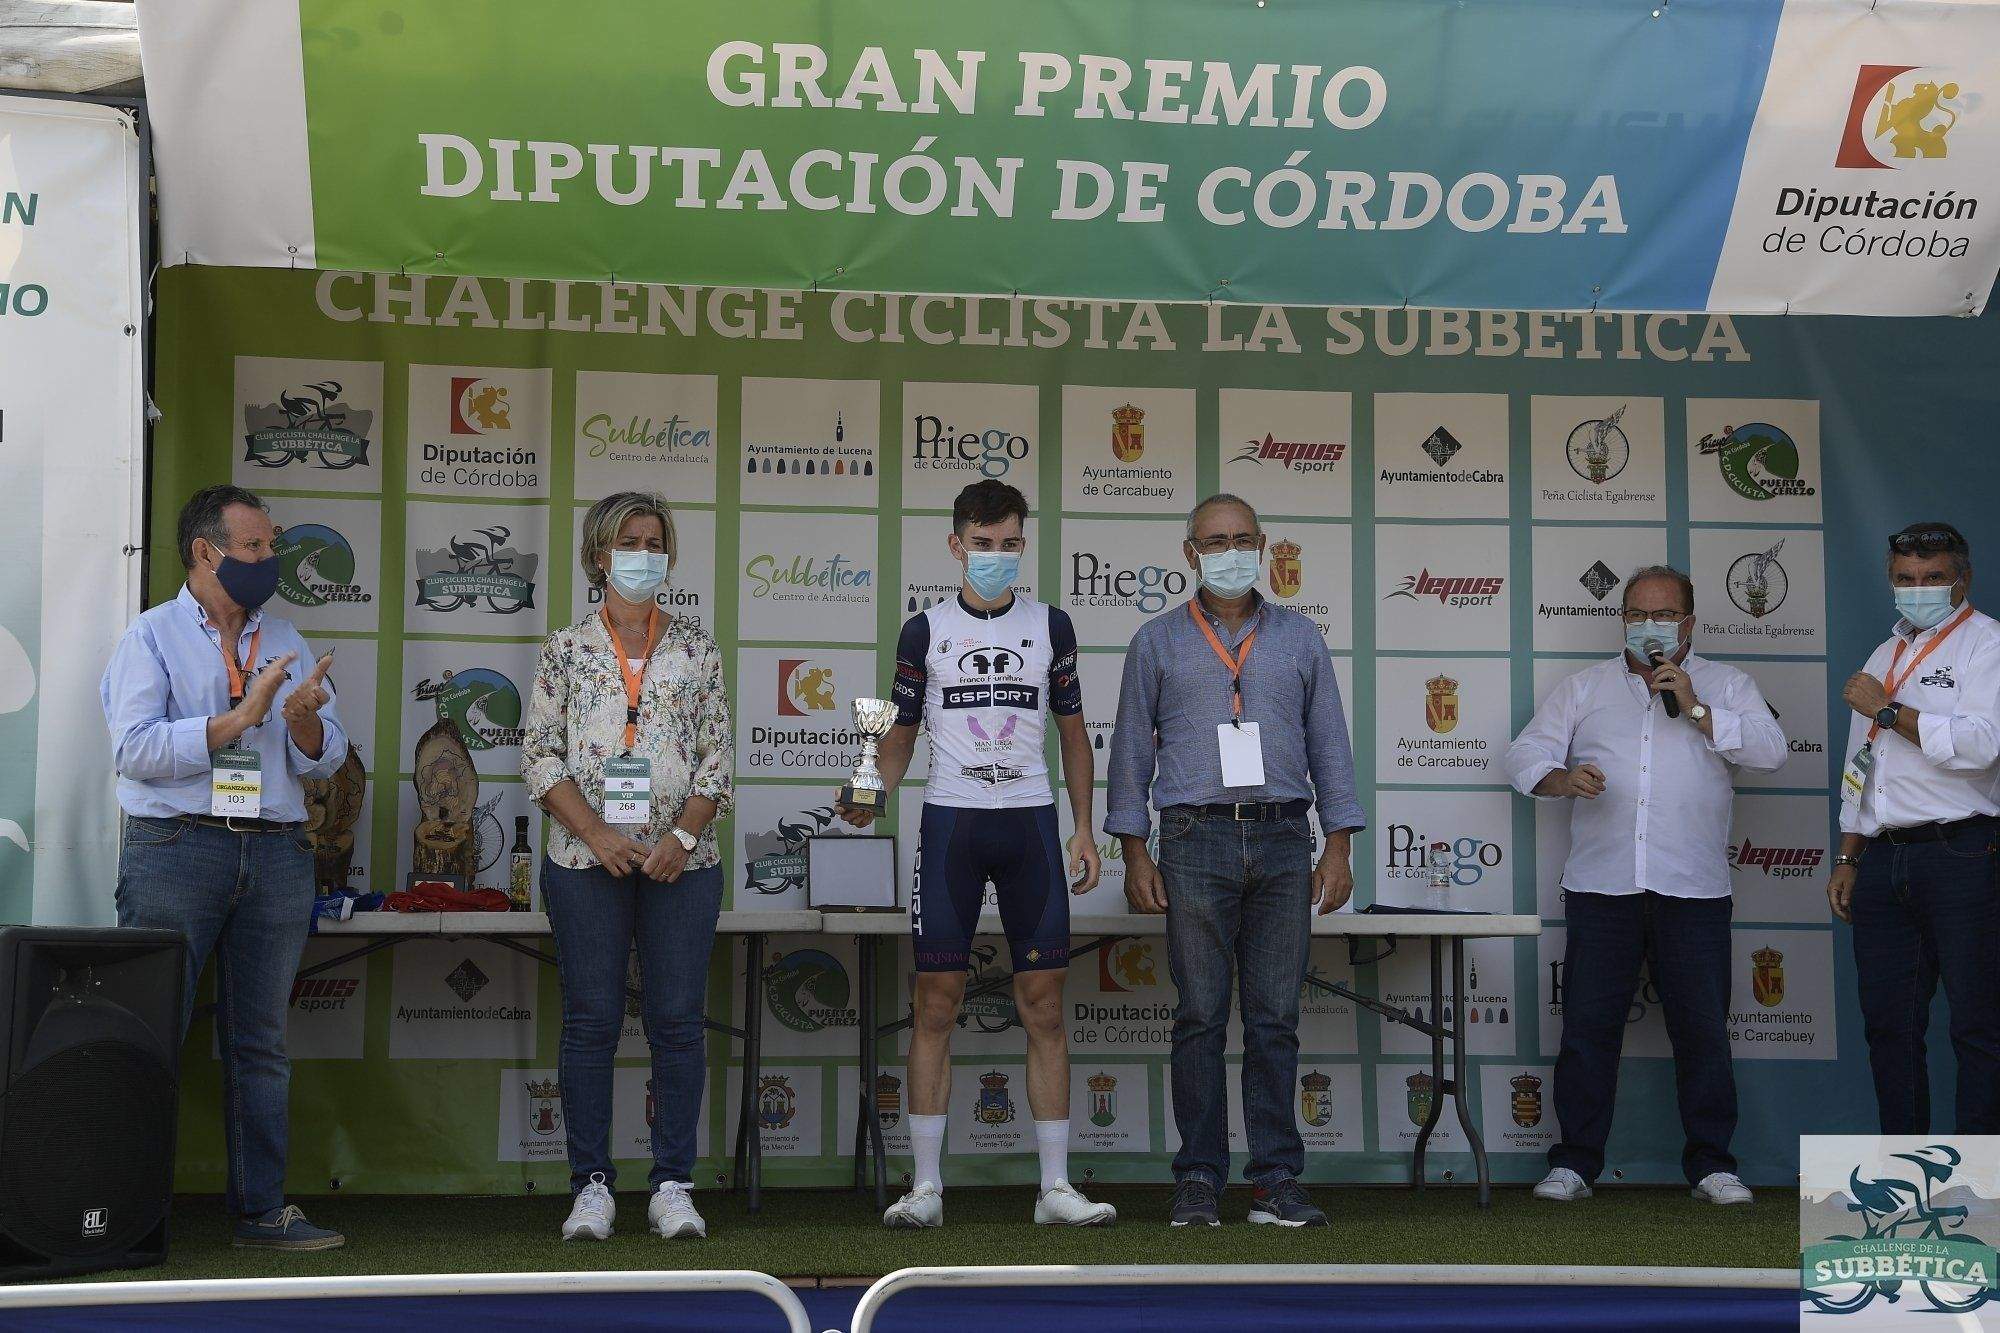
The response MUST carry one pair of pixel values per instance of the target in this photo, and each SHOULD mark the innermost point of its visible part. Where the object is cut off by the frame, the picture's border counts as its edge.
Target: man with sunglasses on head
(1919, 796)
(1646, 747)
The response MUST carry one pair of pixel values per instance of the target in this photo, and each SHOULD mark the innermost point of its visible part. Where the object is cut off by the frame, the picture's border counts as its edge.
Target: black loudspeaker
(89, 1042)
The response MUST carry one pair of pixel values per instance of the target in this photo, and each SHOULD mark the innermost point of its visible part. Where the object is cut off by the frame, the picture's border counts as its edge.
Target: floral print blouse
(576, 720)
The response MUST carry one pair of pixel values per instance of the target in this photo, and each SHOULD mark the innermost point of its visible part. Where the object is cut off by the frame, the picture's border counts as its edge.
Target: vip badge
(1128, 433)
(994, 1106)
(545, 1117)
(1527, 1100)
(1103, 1100)
(1316, 1098)
(1286, 574)
(1419, 1097)
(776, 1103)
(1441, 704)
(1767, 977)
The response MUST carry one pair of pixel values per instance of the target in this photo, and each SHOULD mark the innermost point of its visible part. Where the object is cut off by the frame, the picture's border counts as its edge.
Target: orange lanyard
(634, 680)
(1235, 664)
(1891, 682)
(236, 672)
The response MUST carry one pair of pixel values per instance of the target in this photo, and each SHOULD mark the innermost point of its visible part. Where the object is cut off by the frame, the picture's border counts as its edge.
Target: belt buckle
(1237, 809)
(229, 822)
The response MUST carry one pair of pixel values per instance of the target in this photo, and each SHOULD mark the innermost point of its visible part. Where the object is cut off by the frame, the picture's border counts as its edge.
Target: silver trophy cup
(865, 789)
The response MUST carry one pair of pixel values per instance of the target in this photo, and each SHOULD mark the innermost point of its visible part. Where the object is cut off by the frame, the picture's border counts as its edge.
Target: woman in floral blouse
(631, 698)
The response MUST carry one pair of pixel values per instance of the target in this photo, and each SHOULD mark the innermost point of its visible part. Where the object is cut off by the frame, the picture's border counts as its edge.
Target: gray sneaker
(285, 1229)
(1194, 1205)
(1284, 1203)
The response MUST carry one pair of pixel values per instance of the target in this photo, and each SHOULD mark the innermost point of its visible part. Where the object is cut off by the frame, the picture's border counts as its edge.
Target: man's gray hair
(1662, 572)
(608, 517)
(1220, 498)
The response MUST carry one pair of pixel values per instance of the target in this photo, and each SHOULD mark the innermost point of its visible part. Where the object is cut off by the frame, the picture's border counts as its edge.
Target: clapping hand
(263, 689)
(310, 696)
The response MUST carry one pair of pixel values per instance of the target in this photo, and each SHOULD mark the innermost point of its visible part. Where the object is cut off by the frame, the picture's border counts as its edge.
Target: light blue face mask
(637, 575)
(991, 572)
(1926, 608)
(1229, 573)
(1667, 632)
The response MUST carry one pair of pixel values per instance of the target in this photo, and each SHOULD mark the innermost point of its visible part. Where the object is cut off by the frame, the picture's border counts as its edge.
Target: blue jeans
(596, 918)
(1239, 900)
(246, 898)
(1684, 943)
(1925, 912)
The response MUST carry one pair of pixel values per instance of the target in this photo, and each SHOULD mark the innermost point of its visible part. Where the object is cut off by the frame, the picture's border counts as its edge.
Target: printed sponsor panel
(889, 1104)
(1781, 1004)
(1760, 592)
(788, 1103)
(1442, 720)
(1491, 1020)
(771, 828)
(478, 430)
(307, 424)
(498, 806)
(989, 1110)
(1121, 998)
(1405, 1095)
(807, 578)
(810, 996)
(1778, 858)
(1117, 575)
(690, 586)
(1110, 1107)
(1477, 830)
(1128, 450)
(1309, 568)
(1753, 460)
(1441, 455)
(1517, 1107)
(1580, 578)
(530, 1120)
(956, 434)
(326, 1016)
(1326, 1022)
(794, 715)
(1645, 1024)
(329, 562)
(1442, 588)
(476, 570)
(1288, 451)
(811, 442)
(461, 1000)
(1797, 694)
(1598, 457)
(481, 688)
(1328, 1106)
(634, 1103)
(638, 431)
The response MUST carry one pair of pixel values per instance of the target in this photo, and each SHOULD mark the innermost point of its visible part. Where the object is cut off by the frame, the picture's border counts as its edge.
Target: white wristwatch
(1698, 713)
(684, 838)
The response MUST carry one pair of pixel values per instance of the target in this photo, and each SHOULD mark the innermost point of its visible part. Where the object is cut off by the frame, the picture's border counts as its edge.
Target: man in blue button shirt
(195, 689)
(1230, 718)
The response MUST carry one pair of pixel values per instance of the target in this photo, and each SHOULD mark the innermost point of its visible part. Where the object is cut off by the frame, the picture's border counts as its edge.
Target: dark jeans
(1684, 943)
(1923, 912)
(596, 918)
(246, 898)
(1239, 900)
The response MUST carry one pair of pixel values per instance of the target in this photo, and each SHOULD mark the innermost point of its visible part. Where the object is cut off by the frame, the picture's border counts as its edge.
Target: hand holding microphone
(1668, 679)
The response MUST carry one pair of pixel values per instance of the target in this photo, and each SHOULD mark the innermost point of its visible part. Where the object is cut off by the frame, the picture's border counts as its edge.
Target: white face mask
(637, 575)
(1229, 573)
(1926, 608)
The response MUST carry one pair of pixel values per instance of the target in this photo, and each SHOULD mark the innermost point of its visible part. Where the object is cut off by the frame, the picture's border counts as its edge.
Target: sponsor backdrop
(1537, 153)
(72, 386)
(1454, 499)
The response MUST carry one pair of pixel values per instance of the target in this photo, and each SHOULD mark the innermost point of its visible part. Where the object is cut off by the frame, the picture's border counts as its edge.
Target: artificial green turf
(830, 1234)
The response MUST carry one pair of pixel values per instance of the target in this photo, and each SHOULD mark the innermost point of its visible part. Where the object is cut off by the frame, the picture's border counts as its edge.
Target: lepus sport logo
(1911, 1237)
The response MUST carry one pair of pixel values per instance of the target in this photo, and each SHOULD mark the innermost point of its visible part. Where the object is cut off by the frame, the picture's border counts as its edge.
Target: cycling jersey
(978, 681)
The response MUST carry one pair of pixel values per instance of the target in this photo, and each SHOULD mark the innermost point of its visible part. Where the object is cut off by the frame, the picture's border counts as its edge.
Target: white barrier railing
(1206, 1275)
(427, 1284)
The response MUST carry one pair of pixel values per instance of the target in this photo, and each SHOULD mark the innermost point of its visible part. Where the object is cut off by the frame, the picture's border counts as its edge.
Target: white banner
(71, 433)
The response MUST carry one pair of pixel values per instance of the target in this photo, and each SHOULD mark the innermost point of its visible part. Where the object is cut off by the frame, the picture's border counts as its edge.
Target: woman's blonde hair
(607, 518)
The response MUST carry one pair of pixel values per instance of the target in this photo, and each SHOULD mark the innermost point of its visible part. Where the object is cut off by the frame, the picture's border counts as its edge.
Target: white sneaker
(1063, 1206)
(921, 1207)
(591, 1214)
(1722, 1187)
(671, 1212)
(1563, 1186)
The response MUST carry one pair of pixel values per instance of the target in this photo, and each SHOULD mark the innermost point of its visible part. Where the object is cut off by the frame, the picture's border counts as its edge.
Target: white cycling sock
(926, 1145)
(1052, 1142)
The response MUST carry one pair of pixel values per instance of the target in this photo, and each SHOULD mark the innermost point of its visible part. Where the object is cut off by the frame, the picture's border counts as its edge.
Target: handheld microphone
(1656, 653)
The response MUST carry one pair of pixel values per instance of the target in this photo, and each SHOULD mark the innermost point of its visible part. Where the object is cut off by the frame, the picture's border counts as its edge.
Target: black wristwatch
(1886, 718)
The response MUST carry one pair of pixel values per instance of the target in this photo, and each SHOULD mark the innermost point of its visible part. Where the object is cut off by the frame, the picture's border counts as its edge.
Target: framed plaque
(851, 874)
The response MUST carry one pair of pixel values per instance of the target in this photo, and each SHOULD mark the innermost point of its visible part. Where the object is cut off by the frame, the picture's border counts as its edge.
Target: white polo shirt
(1955, 772)
(1662, 821)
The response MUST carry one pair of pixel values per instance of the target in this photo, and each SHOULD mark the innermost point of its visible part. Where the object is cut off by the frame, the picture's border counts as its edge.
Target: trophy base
(871, 799)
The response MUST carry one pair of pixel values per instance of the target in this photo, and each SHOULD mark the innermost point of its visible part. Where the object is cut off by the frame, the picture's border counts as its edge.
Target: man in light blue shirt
(208, 714)
(1230, 718)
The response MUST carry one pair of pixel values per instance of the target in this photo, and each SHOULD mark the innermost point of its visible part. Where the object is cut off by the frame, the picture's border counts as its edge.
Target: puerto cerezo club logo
(316, 566)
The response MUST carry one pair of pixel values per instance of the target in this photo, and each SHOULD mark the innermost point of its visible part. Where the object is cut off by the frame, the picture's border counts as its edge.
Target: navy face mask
(249, 583)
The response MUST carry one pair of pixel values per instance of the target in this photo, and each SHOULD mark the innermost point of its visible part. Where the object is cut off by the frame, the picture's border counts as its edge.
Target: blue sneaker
(285, 1229)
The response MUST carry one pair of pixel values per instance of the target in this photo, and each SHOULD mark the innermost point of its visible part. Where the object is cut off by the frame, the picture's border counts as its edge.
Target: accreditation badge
(1854, 778)
(1242, 754)
(628, 790)
(236, 784)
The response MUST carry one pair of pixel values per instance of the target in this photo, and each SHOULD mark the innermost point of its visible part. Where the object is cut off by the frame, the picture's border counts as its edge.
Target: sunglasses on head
(1927, 541)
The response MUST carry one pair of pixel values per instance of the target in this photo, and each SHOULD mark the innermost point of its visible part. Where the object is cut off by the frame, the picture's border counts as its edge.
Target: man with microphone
(1647, 746)
(1917, 868)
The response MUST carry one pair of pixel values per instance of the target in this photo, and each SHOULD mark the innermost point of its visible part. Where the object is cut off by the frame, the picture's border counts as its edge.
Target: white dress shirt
(1954, 773)
(1662, 821)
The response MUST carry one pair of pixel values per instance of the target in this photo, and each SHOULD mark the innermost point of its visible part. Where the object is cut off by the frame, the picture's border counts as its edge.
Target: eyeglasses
(1927, 541)
(1217, 545)
(1635, 616)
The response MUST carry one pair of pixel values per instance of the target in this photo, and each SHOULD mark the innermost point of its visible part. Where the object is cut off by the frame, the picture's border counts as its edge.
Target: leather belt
(1250, 812)
(1936, 832)
(235, 825)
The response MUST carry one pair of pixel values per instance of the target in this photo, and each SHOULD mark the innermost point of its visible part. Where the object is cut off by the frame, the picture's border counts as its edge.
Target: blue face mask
(637, 575)
(1926, 608)
(1229, 573)
(1666, 632)
(249, 583)
(991, 572)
